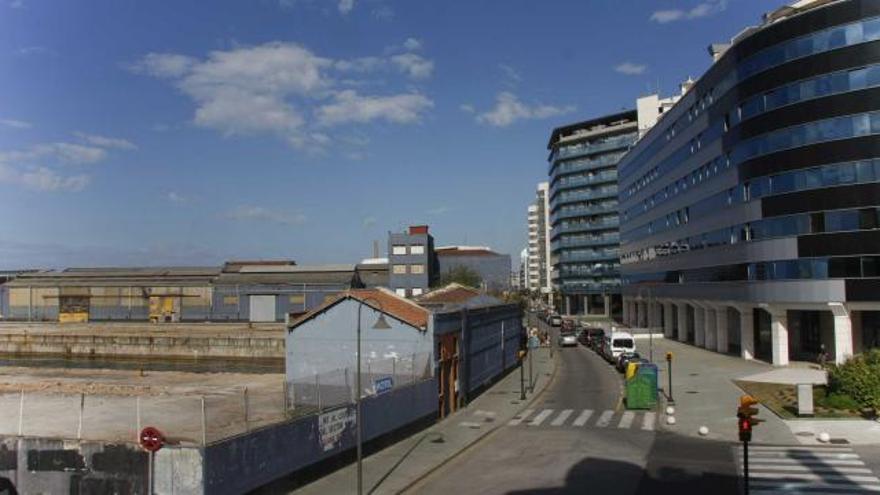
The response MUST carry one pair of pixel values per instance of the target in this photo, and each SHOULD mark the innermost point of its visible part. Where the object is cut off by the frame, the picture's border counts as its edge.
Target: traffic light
(746, 419)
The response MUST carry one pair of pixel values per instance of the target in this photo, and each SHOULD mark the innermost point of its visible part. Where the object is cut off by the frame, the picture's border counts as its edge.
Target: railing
(587, 226)
(580, 212)
(570, 197)
(579, 180)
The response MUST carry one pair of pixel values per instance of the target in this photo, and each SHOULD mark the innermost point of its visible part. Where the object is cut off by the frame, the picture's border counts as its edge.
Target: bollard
(79, 426)
(137, 414)
(21, 414)
(204, 423)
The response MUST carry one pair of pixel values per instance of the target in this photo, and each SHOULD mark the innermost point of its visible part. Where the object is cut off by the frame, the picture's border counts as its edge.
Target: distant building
(493, 268)
(539, 264)
(411, 261)
(253, 291)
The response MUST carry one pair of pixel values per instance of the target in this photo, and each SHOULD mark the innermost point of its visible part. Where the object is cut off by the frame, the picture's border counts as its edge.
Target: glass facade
(583, 203)
(779, 178)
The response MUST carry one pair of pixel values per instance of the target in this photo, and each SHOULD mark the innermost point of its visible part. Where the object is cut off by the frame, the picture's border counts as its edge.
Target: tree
(461, 275)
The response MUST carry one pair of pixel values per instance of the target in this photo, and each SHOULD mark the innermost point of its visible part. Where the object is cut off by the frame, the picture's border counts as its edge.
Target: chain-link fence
(337, 387)
(183, 419)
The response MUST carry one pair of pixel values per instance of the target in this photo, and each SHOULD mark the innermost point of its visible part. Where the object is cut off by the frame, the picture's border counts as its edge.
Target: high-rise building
(539, 265)
(582, 200)
(750, 211)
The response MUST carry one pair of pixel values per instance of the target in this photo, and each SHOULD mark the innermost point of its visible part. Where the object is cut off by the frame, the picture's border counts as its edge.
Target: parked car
(568, 325)
(616, 343)
(567, 339)
(555, 320)
(594, 337)
(583, 337)
(624, 359)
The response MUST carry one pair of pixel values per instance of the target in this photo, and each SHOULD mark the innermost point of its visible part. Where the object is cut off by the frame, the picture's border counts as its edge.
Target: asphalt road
(610, 451)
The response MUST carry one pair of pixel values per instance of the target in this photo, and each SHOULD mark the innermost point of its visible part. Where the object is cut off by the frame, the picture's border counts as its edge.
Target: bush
(840, 401)
(858, 378)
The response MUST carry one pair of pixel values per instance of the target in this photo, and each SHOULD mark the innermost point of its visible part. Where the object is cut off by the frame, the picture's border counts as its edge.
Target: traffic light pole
(522, 380)
(746, 468)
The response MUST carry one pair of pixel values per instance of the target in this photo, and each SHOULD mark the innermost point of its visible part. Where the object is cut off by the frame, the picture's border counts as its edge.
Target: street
(578, 438)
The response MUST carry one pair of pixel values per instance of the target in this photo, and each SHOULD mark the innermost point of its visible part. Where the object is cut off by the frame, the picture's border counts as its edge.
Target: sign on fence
(333, 426)
(383, 385)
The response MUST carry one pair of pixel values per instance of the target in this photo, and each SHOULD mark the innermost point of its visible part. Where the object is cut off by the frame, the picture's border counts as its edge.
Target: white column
(625, 311)
(568, 305)
(658, 316)
(746, 332)
(843, 333)
(709, 335)
(667, 319)
(721, 329)
(607, 300)
(682, 321)
(699, 326)
(779, 335)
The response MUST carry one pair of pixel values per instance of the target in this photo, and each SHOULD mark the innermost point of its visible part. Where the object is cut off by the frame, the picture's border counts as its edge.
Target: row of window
(768, 228)
(401, 269)
(403, 249)
(857, 172)
(799, 269)
(832, 38)
(403, 292)
(583, 164)
(594, 145)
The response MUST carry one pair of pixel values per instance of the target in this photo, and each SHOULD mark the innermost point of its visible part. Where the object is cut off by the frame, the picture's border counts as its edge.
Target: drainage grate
(804, 434)
(839, 441)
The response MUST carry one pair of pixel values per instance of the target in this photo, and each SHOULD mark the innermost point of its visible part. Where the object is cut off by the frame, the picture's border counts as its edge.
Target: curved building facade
(583, 209)
(750, 213)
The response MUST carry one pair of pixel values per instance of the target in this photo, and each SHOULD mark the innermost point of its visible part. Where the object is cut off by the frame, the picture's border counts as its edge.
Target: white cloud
(106, 142)
(467, 108)
(512, 75)
(285, 89)
(246, 213)
(16, 4)
(15, 124)
(440, 210)
(412, 44)
(383, 13)
(509, 109)
(175, 197)
(415, 66)
(698, 11)
(351, 107)
(60, 152)
(345, 6)
(34, 50)
(42, 179)
(630, 69)
(369, 221)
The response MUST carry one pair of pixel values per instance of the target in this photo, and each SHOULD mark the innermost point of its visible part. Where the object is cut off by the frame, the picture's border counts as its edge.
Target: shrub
(859, 378)
(840, 401)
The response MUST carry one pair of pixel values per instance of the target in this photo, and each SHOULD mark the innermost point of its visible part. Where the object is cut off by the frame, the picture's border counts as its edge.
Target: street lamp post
(380, 324)
(648, 321)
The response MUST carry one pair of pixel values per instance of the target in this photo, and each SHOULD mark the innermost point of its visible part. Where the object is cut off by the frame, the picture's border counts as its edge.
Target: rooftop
(380, 299)
(606, 120)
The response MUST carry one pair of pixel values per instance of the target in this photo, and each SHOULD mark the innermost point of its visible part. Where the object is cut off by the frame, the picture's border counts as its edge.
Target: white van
(617, 343)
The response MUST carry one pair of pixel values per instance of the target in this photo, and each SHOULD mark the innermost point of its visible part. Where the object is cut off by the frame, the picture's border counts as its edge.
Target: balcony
(579, 180)
(584, 165)
(604, 240)
(581, 212)
(617, 142)
(598, 193)
(571, 256)
(603, 224)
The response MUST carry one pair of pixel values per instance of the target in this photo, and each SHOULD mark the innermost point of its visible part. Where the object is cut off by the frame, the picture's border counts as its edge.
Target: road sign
(383, 385)
(151, 439)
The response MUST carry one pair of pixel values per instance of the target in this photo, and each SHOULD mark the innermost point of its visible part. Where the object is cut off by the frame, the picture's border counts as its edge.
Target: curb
(482, 436)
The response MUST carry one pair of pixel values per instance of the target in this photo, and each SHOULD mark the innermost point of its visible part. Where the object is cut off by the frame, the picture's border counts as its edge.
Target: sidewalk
(398, 467)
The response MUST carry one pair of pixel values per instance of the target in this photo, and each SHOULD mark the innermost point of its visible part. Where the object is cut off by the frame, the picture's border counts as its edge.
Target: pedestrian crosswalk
(808, 469)
(586, 418)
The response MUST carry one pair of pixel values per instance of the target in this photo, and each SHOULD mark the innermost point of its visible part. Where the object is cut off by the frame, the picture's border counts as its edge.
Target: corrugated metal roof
(380, 299)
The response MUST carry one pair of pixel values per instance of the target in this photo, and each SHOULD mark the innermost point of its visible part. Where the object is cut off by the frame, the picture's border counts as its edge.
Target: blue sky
(192, 132)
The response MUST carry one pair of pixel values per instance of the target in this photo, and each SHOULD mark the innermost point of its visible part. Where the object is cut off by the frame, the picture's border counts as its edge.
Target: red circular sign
(151, 439)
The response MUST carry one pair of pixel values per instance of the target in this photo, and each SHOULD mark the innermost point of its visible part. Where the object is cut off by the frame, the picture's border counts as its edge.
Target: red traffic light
(745, 429)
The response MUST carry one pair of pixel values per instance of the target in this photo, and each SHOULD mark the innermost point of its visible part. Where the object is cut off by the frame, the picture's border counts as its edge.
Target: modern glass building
(583, 210)
(750, 214)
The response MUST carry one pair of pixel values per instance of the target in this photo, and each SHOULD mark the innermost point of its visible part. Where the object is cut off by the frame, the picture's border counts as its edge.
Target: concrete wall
(243, 463)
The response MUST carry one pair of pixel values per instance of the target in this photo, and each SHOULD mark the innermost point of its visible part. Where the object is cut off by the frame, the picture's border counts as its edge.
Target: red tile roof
(380, 299)
(452, 293)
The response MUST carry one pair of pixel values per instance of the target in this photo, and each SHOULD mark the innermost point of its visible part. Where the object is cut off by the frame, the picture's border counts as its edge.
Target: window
(399, 269)
(417, 269)
(400, 292)
(398, 249)
(417, 249)
(297, 299)
(417, 291)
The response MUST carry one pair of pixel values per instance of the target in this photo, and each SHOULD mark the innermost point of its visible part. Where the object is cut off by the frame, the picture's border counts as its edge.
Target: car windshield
(625, 343)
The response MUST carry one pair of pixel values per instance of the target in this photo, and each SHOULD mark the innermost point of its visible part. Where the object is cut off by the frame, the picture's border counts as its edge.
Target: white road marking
(626, 420)
(541, 417)
(470, 424)
(605, 419)
(583, 418)
(520, 417)
(649, 421)
(560, 420)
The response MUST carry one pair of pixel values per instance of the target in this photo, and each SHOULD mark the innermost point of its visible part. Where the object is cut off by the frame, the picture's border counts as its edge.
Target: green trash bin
(641, 388)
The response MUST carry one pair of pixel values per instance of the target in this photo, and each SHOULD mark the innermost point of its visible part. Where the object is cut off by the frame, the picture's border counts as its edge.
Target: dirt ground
(111, 405)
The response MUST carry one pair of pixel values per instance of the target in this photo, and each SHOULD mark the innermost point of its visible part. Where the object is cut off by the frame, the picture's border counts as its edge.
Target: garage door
(262, 308)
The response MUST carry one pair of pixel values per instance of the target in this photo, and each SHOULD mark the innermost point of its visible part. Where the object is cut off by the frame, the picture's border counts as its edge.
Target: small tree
(461, 275)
